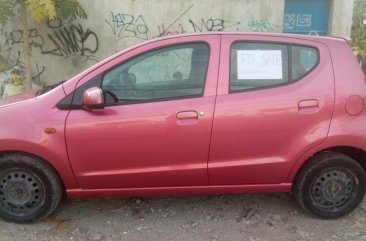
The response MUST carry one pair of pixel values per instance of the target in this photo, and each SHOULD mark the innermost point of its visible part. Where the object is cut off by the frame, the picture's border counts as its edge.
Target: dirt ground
(250, 217)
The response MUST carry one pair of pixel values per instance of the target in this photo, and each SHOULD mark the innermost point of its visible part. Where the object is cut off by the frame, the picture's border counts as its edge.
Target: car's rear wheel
(29, 188)
(330, 185)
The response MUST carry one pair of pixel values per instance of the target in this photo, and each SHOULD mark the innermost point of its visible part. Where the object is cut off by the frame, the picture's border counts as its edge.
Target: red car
(193, 114)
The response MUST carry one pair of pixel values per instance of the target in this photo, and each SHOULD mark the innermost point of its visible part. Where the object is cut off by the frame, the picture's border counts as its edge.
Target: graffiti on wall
(291, 21)
(208, 25)
(71, 40)
(165, 31)
(11, 49)
(125, 25)
(299, 22)
(260, 25)
(177, 26)
(60, 40)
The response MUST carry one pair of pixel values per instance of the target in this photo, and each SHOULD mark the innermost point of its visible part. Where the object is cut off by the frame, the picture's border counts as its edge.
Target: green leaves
(358, 33)
(71, 9)
(6, 10)
(359, 38)
(41, 9)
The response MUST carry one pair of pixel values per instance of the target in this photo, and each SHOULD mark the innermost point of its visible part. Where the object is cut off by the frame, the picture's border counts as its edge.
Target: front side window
(167, 73)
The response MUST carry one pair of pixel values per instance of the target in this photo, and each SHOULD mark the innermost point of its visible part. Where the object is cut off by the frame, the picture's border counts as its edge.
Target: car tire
(30, 189)
(330, 185)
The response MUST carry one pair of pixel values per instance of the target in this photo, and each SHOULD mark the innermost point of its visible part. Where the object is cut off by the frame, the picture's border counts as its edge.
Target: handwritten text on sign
(259, 64)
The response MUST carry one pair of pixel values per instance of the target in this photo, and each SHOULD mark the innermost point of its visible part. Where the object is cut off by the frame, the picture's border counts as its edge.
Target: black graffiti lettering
(63, 41)
(128, 20)
(36, 40)
(209, 25)
(212, 25)
(56, 44)
(164, 31)
(12, 46)
(37, 77)
(126, 25)
(13, 57)
(72, 40)
(141, 26)
(14, 37)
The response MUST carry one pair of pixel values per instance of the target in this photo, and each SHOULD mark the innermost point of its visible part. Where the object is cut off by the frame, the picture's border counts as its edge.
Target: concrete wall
(61, 49)
(113, 25)
(340, 18)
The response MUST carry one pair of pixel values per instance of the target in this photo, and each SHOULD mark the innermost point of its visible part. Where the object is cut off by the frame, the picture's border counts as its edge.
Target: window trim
(161, 99)
(289, 52)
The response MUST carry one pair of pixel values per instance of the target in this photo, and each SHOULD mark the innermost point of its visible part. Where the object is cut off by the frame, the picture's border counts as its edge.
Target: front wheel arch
(4, 153)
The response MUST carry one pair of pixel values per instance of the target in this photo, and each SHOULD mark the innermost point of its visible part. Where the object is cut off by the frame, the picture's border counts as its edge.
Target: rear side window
(262, 65)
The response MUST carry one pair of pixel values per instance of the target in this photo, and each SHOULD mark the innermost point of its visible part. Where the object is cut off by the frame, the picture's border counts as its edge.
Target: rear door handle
(308, 103)
(183, 115)
(308, 106)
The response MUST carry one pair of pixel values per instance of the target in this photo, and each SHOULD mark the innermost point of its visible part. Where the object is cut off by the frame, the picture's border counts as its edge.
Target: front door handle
(183, 115)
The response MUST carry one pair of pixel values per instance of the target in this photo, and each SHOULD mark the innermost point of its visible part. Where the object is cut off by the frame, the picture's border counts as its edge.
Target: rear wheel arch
(355, 153)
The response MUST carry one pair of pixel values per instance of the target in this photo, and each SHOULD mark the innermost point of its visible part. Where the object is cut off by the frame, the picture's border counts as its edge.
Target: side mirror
(93, 98)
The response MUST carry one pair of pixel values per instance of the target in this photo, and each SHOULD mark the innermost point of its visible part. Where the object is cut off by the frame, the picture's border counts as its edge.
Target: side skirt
(182, 190)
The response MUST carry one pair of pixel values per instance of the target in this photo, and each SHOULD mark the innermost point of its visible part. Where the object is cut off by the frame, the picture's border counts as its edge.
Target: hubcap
(333, 188)
(21, 192)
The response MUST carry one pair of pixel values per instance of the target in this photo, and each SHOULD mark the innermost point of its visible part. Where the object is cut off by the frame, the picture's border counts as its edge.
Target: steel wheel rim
(333, 189)
(22, 192)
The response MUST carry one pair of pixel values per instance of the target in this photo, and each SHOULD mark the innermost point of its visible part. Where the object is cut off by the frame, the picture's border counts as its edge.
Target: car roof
(274, 34)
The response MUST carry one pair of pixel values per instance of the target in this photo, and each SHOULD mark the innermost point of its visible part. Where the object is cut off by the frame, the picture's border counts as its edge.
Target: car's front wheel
(330, 185)
(29, 188)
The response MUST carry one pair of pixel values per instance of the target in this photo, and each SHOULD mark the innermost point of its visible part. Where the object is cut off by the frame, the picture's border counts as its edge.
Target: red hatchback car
(193, 114)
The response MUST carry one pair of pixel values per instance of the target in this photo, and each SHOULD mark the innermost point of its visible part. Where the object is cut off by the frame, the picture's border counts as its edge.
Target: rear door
(156, 127)
(275, 100)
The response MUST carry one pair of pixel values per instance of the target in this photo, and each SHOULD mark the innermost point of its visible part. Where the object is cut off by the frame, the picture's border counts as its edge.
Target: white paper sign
(259, 64)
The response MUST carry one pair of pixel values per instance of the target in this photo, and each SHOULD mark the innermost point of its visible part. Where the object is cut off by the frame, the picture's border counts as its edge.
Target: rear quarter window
(304, 60)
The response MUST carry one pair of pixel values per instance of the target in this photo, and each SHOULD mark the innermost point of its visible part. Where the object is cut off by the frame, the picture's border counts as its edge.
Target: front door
(156, 127)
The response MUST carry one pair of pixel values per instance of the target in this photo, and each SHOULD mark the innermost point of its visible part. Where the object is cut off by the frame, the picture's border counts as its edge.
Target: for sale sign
(259, 64)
